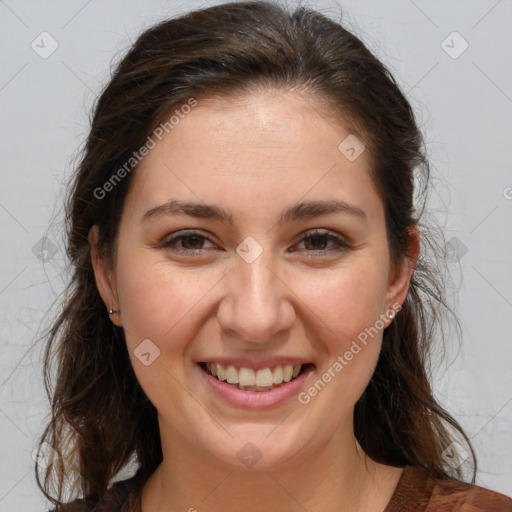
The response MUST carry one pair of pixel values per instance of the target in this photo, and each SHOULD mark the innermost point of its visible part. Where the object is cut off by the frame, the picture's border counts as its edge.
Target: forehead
(264, 120)
(265, 147)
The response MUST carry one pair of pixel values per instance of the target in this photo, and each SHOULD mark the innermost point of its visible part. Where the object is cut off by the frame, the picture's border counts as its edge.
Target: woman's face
(284, 279)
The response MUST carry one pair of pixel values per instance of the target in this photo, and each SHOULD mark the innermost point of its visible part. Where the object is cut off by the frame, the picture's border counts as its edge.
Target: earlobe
(105, 280)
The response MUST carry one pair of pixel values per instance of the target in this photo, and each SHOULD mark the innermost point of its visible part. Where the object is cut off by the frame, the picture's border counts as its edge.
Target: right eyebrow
(200, 210)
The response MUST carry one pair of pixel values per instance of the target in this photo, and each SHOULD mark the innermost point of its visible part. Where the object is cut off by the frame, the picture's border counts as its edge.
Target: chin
(258, 448)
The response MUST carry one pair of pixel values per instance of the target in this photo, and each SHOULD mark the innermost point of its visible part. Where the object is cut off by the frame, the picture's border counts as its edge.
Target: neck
(337, 476)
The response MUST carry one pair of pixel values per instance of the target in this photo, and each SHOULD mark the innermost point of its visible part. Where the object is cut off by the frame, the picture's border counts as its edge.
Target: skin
(255, 155)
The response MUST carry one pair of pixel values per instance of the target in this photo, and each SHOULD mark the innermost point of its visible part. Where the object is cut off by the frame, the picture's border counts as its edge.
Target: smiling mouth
(248, 379)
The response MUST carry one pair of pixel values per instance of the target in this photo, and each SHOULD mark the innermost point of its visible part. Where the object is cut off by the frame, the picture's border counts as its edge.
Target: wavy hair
(100, 416)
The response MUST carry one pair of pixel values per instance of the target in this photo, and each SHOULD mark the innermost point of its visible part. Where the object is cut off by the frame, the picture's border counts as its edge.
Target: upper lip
(255, 363)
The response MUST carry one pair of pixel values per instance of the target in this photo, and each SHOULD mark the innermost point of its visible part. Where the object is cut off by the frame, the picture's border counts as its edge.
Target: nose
(256, 306)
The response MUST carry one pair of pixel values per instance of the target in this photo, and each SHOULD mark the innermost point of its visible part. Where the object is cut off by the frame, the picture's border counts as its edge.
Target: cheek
(158, 301)
(346, 310)
(347, 306)
(167, 306)
(346, 300)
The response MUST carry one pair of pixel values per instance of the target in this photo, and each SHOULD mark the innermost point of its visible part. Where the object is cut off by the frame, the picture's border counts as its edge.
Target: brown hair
(100, 416)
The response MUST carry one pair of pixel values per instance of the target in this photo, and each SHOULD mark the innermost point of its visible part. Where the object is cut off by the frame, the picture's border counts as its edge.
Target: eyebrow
(293, 213)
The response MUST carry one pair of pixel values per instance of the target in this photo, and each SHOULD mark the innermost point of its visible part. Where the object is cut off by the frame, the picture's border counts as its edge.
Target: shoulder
(418, 491)
(122, 496)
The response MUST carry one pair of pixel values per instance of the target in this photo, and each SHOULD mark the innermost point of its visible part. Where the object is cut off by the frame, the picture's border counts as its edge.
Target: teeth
(247, 377)
(278, 374)
(263, 379)
(231, 375)
(257, 388)
(221, 375)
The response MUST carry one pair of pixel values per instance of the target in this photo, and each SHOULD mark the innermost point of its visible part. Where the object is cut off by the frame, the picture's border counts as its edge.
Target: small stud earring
(112, 311)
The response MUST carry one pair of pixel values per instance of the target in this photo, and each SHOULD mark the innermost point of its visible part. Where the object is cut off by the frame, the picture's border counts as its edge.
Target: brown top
(416, 491)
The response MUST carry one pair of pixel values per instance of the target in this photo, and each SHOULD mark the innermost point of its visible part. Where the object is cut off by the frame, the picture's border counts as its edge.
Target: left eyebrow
(315, 208)
(293, 213)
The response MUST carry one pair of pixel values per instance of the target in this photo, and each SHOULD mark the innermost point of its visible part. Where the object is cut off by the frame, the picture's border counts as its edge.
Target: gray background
(464, 105)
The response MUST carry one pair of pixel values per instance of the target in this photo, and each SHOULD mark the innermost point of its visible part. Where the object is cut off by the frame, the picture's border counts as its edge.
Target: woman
(249, 313)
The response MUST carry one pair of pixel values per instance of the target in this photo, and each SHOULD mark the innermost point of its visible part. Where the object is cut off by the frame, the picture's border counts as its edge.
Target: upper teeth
(248, 377)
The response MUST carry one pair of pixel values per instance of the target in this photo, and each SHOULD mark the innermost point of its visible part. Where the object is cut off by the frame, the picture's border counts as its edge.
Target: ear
(401, 273)
(105, 278)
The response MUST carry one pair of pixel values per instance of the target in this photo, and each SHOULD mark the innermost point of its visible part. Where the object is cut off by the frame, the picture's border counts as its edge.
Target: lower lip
(256, 399)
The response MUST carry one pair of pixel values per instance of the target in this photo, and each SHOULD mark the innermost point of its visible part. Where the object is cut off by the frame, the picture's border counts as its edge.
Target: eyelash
(342, 244)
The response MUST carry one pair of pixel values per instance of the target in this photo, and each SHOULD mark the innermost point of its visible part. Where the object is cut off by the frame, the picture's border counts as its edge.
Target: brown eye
(317, 243)
(191, 243)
